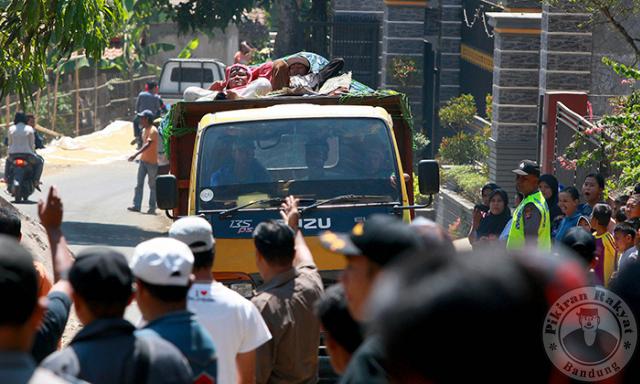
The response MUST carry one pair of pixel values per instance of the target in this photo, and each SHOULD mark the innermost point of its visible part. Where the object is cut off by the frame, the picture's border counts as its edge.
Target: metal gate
(568, 126)
(356, 39)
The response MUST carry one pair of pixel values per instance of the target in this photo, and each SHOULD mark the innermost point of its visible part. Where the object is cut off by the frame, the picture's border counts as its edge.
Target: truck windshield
(309, 158)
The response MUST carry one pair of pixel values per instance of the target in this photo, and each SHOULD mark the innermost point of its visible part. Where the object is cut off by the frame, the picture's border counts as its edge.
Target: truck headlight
(244, 289)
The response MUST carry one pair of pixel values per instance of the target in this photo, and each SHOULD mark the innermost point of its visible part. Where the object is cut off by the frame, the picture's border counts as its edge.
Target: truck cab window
(312, 158)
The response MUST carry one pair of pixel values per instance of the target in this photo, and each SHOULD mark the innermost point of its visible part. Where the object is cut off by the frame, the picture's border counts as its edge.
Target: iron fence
(355, 39)
(569, 125)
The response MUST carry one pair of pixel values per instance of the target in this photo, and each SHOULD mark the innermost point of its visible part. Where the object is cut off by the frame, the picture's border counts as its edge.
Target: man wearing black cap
(531, 224)
(369, 248)
(21, 316)
(148, 163)
(106, 350)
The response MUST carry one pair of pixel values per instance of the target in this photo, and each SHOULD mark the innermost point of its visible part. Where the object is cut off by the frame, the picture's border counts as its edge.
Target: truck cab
(179, 74)
(344, 163)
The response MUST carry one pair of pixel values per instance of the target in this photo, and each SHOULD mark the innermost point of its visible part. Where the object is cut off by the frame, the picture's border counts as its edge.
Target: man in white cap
(162, 270)
(234, 323)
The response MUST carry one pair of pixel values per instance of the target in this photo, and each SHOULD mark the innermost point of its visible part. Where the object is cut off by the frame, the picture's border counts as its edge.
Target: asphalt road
(95, 199)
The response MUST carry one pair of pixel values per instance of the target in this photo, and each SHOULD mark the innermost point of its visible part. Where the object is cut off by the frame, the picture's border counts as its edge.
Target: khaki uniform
(286, 304)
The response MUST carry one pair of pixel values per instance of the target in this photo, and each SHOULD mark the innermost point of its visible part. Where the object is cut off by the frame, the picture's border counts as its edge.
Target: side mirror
(166, 191)
(429, 177)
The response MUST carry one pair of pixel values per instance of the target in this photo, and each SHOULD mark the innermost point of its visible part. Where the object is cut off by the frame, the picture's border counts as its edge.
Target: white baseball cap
(194, 231)
(162, 261)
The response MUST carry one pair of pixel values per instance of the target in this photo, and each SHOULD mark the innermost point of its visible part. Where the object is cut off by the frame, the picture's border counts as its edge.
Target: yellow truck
(234, 162)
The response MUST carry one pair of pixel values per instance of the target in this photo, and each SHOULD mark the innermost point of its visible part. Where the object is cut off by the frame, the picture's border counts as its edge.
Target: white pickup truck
(179, 74)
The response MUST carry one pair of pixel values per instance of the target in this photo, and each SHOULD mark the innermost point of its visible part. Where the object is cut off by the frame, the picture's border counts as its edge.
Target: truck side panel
(181, 159)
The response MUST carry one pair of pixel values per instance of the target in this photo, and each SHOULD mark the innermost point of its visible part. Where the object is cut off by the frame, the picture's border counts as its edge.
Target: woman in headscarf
(499, 214)
(480, 211)
(548, 185)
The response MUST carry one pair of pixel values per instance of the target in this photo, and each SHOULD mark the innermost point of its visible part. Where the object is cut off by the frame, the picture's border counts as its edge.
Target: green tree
(458, 112)
(29, 29)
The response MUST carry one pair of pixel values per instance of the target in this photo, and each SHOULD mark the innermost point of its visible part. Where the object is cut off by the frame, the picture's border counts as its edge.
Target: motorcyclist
(22, 143)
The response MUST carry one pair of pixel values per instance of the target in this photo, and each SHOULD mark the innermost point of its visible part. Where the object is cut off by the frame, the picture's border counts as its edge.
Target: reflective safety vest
(516, 233)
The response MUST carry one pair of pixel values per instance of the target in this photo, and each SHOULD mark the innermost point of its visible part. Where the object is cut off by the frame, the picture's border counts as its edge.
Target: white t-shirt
(22, 139)
(234, 323)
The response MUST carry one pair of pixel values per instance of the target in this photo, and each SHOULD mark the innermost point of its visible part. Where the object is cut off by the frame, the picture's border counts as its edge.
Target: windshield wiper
(227, 213)
(343, 198)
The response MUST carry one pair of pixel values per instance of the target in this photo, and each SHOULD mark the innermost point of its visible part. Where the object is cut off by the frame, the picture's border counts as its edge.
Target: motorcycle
(20, 182)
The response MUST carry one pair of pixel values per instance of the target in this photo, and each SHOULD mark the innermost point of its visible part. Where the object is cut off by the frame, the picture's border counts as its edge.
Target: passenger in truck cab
(242, 167)
(316, 153)
(375, 163)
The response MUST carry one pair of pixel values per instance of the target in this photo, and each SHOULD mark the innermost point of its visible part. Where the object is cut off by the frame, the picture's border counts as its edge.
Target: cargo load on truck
(301, 74)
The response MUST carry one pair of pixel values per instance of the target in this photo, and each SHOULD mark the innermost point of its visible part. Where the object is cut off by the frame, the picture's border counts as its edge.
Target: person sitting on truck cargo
(242, 168)
(239, 84)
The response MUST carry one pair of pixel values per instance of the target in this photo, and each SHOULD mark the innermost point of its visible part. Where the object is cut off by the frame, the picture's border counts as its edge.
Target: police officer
(531, 223)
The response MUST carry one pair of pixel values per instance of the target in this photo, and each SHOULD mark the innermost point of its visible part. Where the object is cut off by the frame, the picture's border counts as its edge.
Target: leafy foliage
(463, 148)
(403, 69)
(202, 15)
(458, 112)
(29, 30)
(618, 136)
(488, 109)
(187, 51)
(468, 180)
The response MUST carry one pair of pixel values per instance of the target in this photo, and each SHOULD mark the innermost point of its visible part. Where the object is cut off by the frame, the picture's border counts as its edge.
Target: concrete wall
(221, 46)
(450, 206)
(609, 43)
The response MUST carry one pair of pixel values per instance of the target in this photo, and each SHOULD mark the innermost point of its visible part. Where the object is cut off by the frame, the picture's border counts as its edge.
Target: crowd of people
(408, 308)
(551, 214)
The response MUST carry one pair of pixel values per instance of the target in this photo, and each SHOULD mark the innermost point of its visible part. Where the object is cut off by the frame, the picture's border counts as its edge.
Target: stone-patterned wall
(514, 127)
(403, 35)
(565, 51)
(449, 45)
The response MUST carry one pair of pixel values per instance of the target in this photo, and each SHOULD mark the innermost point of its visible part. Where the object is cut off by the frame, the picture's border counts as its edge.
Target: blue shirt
(182, 329)
(568, 223)
(584, 209)
(147, 100)
(226, 175)
(505, 232)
